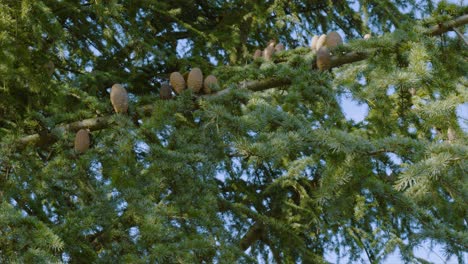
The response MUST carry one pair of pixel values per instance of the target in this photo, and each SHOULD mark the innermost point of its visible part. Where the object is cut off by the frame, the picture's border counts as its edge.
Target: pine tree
(266, 167)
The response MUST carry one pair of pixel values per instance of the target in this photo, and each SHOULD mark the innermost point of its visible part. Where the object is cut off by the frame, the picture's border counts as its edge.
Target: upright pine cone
(333, 39)
(313, 44)
(451, 135)
(177, 82)
(82, 141)
(119, 98)
(165, 92)
(195, 80)
(321, 42)
(257, 54)
(323, 59)
(269, 50)
(210, 83)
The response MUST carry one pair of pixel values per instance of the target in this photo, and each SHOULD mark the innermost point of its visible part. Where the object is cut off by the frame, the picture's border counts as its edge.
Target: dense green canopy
(268, 168)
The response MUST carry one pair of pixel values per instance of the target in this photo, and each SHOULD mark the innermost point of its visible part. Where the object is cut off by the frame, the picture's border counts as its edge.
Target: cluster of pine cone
(193, 80)
(271, 48)
(119, 101)
(119, 97)
(320, 44)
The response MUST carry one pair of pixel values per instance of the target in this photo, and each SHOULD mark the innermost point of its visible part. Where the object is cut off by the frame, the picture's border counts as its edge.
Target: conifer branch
(98, 123)
(350, 57)
(460, 35)
(274, 251)
(447, 26)
(253, 234)
(42, 139)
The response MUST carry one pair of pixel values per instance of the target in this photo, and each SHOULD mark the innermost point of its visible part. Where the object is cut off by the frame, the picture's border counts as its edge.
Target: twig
(460, 35)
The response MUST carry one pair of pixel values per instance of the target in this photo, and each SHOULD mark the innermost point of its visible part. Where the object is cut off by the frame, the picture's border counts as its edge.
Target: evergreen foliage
(266, 169)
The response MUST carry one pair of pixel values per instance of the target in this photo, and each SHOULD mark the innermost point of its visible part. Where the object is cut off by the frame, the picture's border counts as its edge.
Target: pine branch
(274, 251)
(103, 122)
(447, 26)
(460, 35)
(254, 234)
(42, 139)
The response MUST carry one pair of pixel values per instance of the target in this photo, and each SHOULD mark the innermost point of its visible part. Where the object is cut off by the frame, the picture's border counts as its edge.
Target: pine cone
(268, 52)
(323, 59)
(165, 92)
(119, 98)
(321, 41)
(333, 39)
(177, 82)
(451, 135)
(257, 54)
(211, 82)
(82, 141)
(195, 80)
(313, 45)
